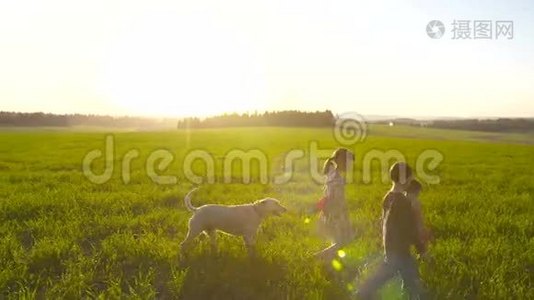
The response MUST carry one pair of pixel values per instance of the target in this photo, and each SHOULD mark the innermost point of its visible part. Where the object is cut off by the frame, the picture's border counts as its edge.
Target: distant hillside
(491, 125)
(519, 125)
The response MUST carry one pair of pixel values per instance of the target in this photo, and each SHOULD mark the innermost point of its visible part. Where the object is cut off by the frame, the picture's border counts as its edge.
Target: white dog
(241, 220)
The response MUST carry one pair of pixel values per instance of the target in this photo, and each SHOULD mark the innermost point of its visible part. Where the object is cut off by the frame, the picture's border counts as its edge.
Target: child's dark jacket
(399, 229)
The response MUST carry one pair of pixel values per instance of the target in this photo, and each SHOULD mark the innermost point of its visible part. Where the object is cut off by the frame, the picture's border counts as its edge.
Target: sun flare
(163, 68)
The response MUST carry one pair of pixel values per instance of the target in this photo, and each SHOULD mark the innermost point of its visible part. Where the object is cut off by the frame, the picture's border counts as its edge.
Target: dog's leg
(250, 243)
(213, 240)
(193, 231)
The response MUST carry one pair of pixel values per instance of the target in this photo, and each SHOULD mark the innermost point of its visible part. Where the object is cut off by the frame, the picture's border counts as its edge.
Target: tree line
(19, 119)
(290, 118)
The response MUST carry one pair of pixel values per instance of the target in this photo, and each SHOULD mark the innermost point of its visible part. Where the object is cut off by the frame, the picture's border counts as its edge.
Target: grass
(62, 236)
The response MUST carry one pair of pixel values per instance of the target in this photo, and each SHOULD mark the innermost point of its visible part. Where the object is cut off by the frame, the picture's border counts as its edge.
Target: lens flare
(337, 265)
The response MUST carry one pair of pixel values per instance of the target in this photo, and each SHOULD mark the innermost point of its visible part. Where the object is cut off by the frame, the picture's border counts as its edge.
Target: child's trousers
(405, 266)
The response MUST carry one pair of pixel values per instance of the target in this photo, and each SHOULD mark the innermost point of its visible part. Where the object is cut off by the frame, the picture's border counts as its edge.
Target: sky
(200, 58)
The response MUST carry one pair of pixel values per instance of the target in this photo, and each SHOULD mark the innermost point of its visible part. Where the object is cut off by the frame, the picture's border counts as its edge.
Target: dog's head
(269, 206)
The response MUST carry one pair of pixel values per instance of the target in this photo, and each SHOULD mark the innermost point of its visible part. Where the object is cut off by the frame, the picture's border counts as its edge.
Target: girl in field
(334, 220)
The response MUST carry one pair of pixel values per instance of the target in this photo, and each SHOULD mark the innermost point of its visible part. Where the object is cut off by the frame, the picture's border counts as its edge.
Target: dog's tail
(187, 201)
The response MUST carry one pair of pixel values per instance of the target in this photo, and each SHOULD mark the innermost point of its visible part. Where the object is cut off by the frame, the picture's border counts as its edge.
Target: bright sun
(163, 67)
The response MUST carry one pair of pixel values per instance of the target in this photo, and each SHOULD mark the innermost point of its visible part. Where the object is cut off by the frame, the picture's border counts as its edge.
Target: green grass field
(62, 236)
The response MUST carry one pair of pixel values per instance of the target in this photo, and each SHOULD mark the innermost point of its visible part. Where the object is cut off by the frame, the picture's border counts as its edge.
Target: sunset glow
(204, 58)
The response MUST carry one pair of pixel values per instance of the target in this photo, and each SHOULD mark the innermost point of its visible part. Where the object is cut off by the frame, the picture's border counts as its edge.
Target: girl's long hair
(329, 162)
(334, 160)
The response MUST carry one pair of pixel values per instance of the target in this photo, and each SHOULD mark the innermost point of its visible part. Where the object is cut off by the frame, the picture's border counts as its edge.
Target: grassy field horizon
(63, 236)
(404, 131)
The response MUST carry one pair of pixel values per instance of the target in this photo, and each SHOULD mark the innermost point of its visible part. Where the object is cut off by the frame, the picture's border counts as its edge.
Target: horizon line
(373, 116)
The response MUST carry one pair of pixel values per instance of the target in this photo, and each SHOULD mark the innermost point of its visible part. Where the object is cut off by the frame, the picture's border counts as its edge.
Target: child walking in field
(334, 219)
(399, 233)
